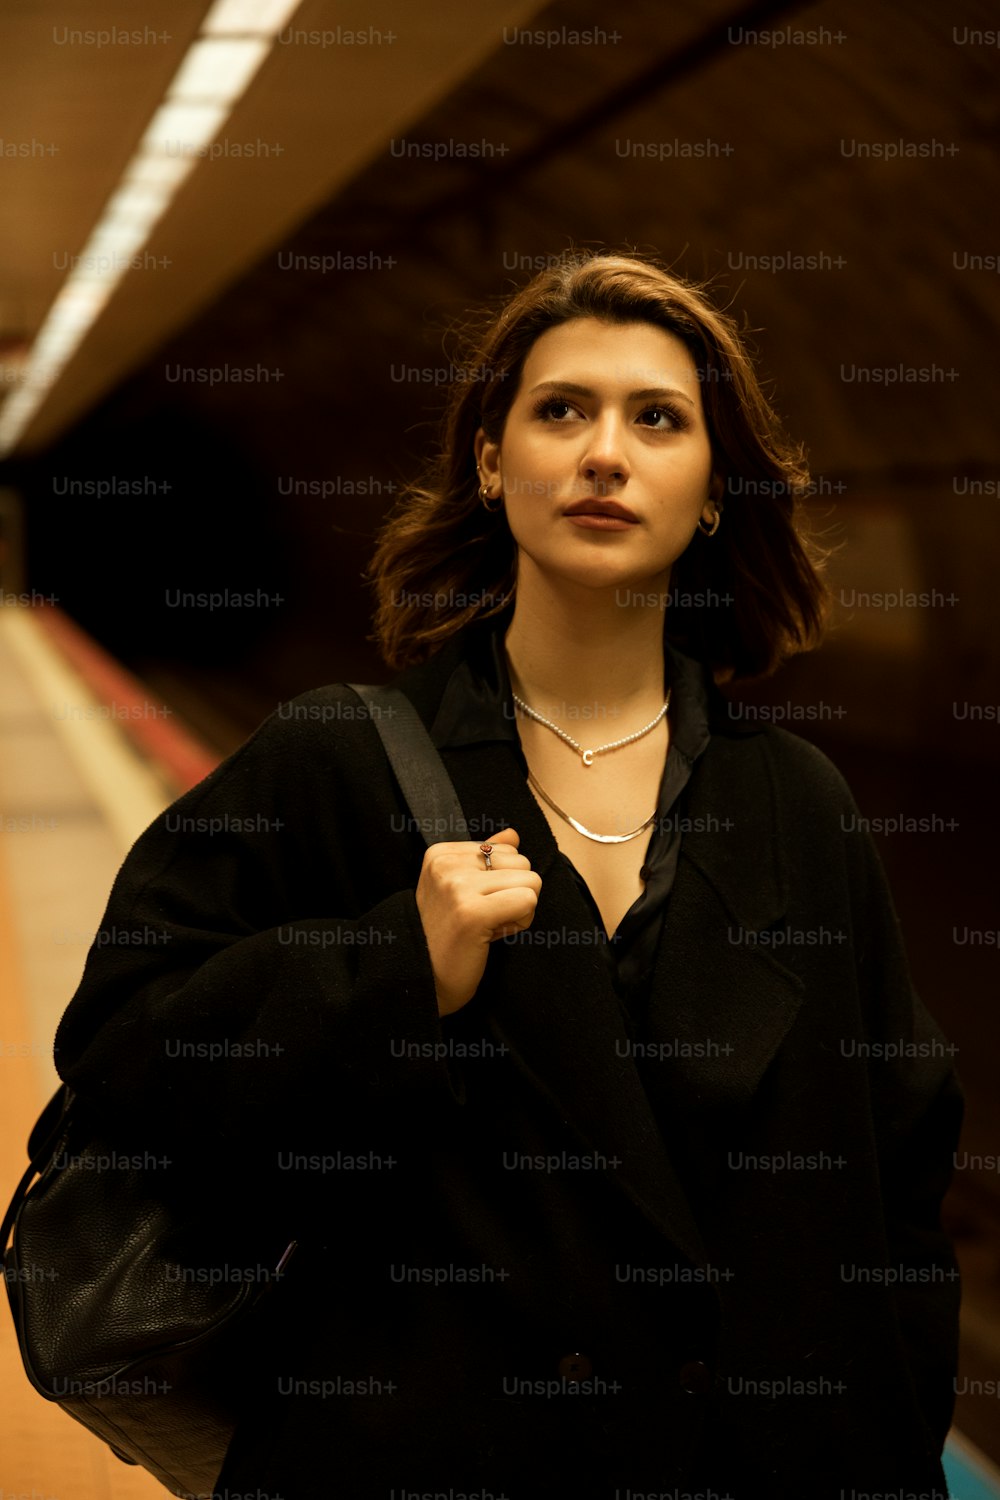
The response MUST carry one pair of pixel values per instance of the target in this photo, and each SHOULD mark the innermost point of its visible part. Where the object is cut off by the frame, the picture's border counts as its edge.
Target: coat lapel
(720, 1002)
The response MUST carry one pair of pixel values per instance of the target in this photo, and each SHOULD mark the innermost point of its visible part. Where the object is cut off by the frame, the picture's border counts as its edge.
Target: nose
(603, 463)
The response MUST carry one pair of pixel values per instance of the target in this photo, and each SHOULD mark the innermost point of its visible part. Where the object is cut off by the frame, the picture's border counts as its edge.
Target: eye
(672, 419)
(552, 409)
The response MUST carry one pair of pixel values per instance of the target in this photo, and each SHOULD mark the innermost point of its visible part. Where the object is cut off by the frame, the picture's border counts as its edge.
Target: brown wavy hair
(443, 562)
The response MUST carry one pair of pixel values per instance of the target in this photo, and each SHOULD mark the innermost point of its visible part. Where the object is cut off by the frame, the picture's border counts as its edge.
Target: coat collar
(476, 703)
(719, 1004)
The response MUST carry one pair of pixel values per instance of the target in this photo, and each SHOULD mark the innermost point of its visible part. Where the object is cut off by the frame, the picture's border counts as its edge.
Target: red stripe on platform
(151, 726)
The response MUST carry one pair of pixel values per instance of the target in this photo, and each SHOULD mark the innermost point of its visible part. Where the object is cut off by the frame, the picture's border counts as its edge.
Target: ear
(487, 457)
(713, 503)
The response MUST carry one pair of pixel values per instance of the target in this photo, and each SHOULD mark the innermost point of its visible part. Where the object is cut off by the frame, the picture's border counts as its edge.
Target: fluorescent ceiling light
(138, 205)
(103, 270)
(212, 76)
(247, 17)
(115, 237)
(182, 129)
(78, 297)
(58, 342)
(17, 411)
(67, 318)
(157, 171)
(217, 71)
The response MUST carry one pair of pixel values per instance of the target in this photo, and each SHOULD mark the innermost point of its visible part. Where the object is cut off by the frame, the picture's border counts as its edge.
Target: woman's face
(604, 462)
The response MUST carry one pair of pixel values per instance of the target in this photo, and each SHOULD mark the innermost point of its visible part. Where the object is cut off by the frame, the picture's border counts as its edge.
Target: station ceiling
(831, 168)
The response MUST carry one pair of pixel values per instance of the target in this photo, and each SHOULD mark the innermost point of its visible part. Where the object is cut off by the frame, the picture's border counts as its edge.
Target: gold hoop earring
(485, 497)
(710, 530)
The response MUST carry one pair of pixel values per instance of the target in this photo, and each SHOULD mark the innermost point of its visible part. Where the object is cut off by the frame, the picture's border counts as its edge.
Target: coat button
(695, 1377)
(575, 1367)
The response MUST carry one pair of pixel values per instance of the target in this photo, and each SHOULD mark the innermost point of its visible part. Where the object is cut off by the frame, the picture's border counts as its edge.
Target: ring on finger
(486, 851)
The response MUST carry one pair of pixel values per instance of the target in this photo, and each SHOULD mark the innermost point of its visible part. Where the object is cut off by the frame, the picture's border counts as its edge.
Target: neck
(573, 650)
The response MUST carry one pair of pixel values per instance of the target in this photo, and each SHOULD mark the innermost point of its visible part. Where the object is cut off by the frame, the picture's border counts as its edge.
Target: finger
(462, 849)
(450, 851)
(493, 881)
(509, 930)
(499, 856)
(512, 909)
(505, 836)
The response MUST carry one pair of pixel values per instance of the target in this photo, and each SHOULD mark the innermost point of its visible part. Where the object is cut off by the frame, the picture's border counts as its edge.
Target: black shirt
(478, 705)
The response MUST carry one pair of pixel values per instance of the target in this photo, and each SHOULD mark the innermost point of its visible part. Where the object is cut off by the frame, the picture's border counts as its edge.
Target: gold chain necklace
(598, 838)
(587, 757)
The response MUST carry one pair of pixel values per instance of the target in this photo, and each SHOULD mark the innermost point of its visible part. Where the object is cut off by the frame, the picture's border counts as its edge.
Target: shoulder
(801, 764)
(334, 717)
(325, 720)
(797, 770)
(818, 817)
(324, 715)
(323, 741)
(789, 797)
(307, 756)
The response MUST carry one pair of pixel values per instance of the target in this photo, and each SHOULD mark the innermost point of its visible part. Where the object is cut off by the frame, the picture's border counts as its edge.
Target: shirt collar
(477, 704)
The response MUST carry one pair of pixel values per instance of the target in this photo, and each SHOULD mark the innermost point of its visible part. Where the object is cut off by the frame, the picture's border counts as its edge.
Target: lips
(592, 507)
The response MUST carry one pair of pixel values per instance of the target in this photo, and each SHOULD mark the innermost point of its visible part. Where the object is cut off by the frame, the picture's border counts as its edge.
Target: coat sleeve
(917, 1104)
(240, 990)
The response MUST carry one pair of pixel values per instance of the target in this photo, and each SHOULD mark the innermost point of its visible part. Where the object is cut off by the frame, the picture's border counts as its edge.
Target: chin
(597, 571)
(605, 580)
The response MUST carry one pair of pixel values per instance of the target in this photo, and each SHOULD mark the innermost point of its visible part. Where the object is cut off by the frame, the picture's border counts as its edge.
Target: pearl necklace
(587, 756)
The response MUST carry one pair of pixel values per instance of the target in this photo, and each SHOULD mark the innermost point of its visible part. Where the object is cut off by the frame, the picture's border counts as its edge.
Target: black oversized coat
(535, 1257)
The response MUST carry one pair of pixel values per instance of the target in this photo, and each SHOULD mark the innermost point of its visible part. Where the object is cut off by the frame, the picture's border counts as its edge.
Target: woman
(614, 1139)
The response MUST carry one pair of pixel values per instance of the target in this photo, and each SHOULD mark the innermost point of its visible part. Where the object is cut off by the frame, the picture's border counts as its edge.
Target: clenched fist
(464, 907)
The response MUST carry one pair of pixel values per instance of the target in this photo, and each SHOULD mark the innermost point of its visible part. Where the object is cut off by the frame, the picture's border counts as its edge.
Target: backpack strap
(416, 764)
(44, 1138)
(433, 802)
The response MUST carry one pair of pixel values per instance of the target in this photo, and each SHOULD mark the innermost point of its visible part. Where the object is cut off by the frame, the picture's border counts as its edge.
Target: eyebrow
(652, 393)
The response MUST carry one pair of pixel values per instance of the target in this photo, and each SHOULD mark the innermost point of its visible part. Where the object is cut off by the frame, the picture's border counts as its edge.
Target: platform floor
(74, 794)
